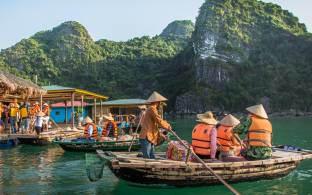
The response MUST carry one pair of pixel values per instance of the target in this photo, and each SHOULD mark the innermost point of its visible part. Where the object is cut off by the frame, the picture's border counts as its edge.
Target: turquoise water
(49, 170)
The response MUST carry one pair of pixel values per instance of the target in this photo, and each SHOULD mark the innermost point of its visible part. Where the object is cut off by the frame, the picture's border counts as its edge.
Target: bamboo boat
(129, 167)
(91, 146)
(47, 137)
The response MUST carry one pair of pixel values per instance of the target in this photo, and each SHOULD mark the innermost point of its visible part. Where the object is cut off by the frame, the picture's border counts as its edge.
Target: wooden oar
(207, 167)
(136, 131)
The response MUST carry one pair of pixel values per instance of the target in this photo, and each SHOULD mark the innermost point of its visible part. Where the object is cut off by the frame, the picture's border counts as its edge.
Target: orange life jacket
(224, 138)
(260, 132)
(94, 133)
(115, 129)
(34, 110)
(201, 139)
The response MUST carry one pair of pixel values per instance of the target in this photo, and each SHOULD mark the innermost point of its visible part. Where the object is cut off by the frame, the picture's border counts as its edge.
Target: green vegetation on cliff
(66, 55)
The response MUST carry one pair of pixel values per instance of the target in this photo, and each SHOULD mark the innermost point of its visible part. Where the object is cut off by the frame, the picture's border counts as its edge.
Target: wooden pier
(18, 136)
(22, 138)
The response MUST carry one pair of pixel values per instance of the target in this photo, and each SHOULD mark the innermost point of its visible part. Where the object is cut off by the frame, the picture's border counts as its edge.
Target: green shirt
(252, 152)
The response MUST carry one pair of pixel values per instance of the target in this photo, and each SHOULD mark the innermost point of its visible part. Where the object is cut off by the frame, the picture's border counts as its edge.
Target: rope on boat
(207, 167)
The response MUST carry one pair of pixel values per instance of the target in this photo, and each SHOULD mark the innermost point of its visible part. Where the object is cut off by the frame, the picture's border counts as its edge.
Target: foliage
(273, 47)
(67, 54)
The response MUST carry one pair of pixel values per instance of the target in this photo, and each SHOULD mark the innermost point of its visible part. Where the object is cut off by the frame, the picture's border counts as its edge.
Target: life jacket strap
(200, 140)
(262, 141)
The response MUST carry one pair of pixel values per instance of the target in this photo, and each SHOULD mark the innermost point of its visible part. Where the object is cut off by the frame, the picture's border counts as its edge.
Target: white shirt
(90, 129)
(39, 121)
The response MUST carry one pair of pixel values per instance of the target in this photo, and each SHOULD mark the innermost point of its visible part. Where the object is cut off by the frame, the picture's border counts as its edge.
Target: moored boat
(8, 143)
(130, 167)
(84, 145)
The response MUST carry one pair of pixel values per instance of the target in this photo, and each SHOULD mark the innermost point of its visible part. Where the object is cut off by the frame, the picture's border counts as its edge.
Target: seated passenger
(204, 136)
(110, 128)
(259, 134)
(90, 130)
(229, 145)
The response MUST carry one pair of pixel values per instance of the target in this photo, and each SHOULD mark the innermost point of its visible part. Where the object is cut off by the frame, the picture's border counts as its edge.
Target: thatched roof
(13, 85)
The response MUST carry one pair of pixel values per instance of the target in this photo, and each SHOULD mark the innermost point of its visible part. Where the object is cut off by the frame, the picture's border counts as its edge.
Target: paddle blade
(94, 167)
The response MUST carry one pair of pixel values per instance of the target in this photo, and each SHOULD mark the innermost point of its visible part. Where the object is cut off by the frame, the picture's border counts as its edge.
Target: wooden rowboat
(129, 167)
(91, 146)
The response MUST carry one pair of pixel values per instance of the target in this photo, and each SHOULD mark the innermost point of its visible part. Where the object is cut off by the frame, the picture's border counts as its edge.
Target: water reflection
(49, 170)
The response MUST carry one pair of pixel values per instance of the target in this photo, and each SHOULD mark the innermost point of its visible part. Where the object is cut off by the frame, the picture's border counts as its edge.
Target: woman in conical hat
(204, 136)
(90, 129)
(258, 130)
(150, 134)
(229, 144)
(110, 127)
(39, 122)
(108, 117)
(207, 118)
(88, 120)
(156, 97)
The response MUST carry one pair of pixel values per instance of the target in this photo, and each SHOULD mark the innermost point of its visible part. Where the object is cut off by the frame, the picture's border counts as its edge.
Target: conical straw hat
(40, 114)
(258, 110)
(207, 118)
(108, 117)
(142, 107)
(89, 120)
(229, 120)
(156, 97)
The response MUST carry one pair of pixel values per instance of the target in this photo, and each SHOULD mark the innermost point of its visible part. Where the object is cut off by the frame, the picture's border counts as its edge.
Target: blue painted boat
(8, 143)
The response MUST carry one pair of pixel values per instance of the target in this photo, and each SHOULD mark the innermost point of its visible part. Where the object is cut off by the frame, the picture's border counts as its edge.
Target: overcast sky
(110, 19)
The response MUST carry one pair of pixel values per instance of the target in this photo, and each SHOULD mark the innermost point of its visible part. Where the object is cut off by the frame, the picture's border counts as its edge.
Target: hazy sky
(110, 19)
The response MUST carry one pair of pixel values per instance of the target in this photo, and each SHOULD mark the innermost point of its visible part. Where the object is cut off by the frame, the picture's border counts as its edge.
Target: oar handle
(207, 167)
(136, 130)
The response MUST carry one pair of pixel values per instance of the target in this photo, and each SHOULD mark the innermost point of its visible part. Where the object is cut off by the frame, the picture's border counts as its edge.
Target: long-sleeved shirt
(252, 152)
(213, 143)
(150, 123)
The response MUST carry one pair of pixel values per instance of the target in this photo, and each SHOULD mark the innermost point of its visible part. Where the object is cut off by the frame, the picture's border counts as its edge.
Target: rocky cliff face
(235, 45)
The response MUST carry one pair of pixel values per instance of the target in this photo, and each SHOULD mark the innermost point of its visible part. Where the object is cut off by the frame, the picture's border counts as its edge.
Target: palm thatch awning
(11, 85)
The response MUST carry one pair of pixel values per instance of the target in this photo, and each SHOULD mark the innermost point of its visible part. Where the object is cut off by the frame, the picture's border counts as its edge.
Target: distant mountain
(238, 53)
(179, 29)
(67, 54)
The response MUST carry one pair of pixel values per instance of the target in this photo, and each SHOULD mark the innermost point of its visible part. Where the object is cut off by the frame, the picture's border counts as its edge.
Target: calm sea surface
(49, 170)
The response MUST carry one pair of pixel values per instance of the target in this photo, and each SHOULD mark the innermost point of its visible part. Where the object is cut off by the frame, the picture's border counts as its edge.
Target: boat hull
(178, 173)
(93, 146)
(144, 176)
(8, 143)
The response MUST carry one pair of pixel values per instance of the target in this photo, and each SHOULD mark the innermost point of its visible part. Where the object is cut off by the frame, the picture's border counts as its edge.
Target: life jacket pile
(224, 137)
(94, 132)
(260, 132)
(201, 139)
